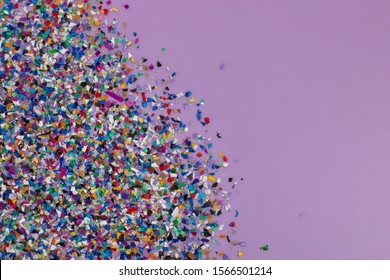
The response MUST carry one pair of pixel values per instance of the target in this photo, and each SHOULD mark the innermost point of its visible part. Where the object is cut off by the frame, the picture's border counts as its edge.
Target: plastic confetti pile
(91, 166)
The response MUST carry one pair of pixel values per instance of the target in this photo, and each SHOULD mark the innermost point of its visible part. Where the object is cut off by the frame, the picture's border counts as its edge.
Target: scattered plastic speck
(264, 248)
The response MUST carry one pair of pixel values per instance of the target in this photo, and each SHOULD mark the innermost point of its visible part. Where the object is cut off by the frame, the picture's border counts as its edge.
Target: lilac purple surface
(302, 104)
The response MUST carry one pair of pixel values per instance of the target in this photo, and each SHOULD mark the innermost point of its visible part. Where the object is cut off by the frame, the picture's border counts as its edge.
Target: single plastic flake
(240, 254)
(264, 248)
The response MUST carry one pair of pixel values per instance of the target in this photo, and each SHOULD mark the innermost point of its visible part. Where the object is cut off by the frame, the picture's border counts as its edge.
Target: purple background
(303, 105)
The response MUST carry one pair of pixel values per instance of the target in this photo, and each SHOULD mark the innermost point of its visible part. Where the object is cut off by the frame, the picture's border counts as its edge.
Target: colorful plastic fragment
(264, 248)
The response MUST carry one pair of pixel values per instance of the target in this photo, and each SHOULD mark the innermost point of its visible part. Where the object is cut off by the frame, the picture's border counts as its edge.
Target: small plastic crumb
(264, 248)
